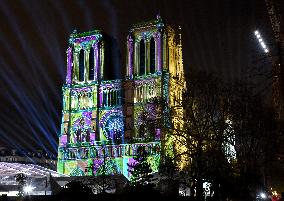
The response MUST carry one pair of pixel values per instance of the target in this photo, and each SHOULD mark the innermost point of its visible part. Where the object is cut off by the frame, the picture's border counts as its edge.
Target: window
(152, 56)
(91, 64)
(142, 58)
(105, 97)
(81, 66)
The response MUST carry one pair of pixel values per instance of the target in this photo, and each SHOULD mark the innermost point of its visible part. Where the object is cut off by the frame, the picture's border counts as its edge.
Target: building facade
(105, 121)
(38, 157)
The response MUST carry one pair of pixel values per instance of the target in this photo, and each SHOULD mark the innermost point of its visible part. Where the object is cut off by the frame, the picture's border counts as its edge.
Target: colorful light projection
(114, 157)
(93, 138)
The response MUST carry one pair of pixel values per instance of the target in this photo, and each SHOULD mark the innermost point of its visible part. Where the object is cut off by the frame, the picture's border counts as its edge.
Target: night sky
(217, 37)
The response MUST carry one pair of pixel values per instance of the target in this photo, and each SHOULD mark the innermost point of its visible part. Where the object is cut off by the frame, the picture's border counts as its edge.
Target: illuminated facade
(103, 124)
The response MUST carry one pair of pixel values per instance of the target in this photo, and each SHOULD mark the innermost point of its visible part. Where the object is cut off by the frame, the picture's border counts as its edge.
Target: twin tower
(106, 120)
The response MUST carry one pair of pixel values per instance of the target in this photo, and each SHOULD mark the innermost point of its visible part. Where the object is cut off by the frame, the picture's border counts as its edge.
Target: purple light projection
(96, 48)
(132, 162)
(63, 140)
(101, 97)
(130, 55)
(97, 164)
(85, 89)
(159, 51)
(69, 66)
(85, 39)
(88, 116)
(92, 138)
(158, 134)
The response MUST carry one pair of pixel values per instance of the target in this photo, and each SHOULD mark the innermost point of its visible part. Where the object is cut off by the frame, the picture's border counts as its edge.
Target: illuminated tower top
(84, 57)
(144, 44)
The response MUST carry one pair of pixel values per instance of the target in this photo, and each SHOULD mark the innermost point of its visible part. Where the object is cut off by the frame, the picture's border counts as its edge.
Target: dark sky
(217, 37)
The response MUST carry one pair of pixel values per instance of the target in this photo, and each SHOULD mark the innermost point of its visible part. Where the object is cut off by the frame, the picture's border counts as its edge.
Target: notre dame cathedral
(106, 120)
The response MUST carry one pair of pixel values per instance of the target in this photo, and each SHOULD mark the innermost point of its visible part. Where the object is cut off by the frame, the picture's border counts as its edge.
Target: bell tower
(154, 73)
(92, 123)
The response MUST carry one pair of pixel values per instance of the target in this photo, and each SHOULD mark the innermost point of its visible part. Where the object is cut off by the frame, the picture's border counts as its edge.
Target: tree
(140, 170)
(169, 177)
(202, 130)
(256, 137)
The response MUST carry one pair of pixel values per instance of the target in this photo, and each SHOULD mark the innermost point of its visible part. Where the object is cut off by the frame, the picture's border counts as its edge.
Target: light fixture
(28, 189)
(262, 195)
(261, 41)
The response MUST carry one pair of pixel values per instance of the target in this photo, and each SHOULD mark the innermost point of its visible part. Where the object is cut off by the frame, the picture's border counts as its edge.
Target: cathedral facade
(105, 121)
